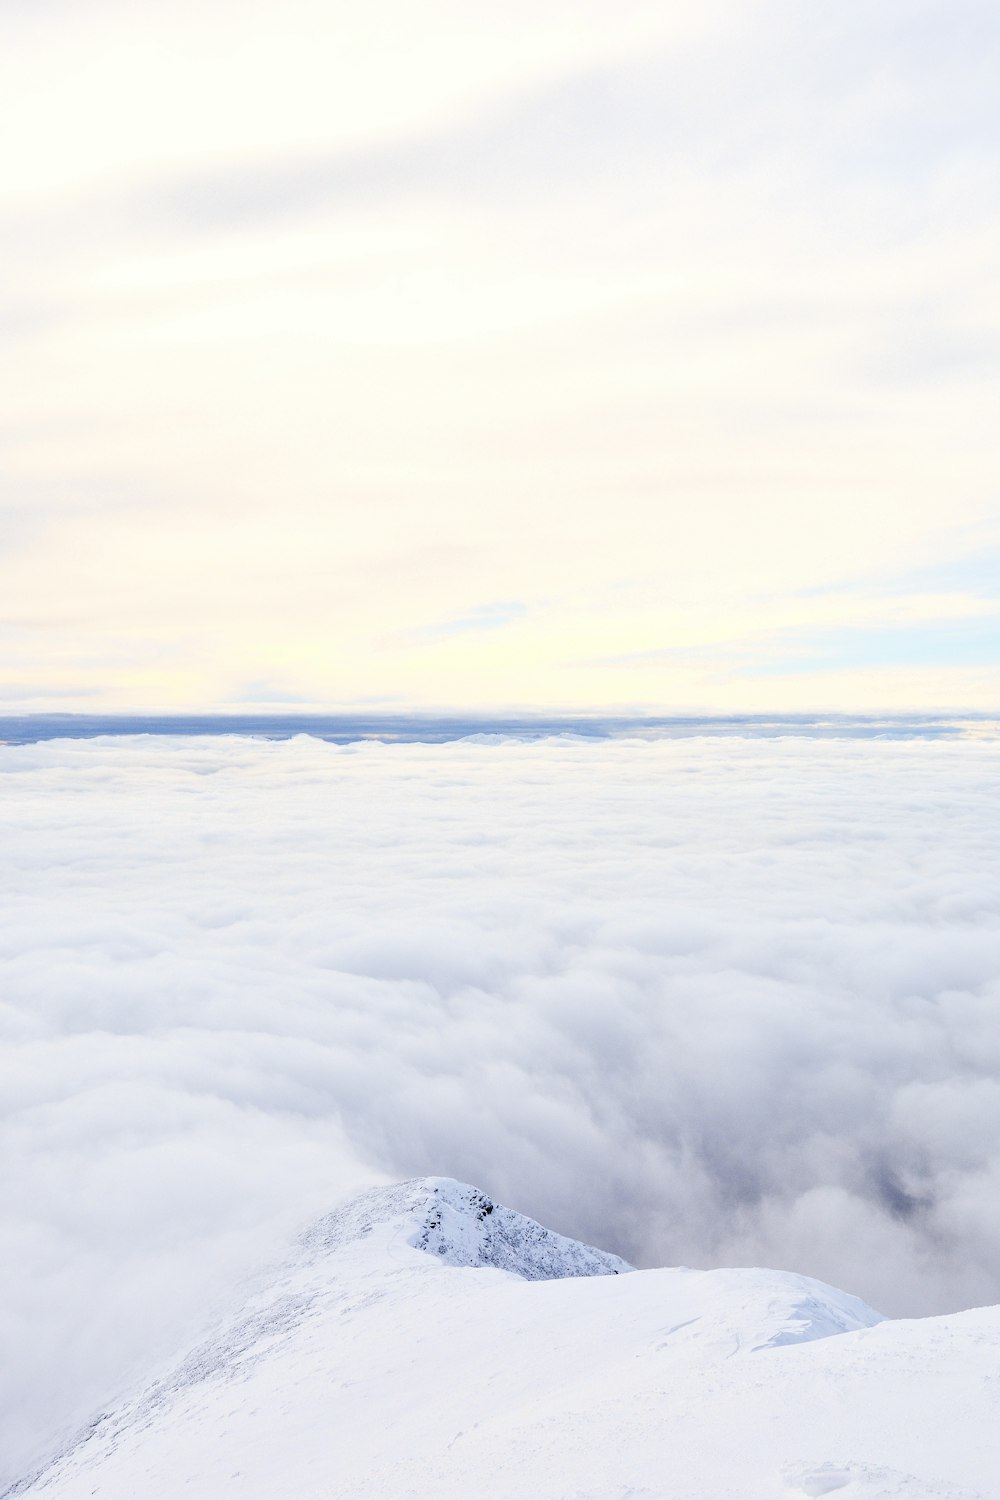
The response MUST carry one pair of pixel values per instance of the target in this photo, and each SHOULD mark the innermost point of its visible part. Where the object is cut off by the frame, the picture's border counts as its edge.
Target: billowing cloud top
(582, 354)
(694, 1001)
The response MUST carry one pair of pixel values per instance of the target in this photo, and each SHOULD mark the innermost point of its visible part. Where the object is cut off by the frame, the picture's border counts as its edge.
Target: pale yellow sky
(563, 355)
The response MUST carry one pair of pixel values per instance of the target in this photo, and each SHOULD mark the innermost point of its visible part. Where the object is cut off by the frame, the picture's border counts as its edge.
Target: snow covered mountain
(423, 1341)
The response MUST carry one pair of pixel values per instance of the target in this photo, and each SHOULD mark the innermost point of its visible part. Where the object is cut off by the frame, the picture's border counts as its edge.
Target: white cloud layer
(696, 1001)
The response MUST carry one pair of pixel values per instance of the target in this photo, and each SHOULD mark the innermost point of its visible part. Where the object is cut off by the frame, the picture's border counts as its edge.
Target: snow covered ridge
(453, 1222)
(463, 1227)
(423, 1341)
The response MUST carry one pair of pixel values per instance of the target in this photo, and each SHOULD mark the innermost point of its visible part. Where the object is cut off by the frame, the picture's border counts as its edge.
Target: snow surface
(423, 1341)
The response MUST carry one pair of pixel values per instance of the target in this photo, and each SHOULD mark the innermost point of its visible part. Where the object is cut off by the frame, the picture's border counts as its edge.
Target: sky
(636, 356)
(705, 1002)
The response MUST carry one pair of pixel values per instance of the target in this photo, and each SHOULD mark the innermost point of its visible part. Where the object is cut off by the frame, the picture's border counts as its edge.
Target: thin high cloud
(655, 321)
(813, 89)
(700, 1002)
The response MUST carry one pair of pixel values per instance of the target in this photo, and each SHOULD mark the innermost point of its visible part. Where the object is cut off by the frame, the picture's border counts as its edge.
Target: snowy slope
(422, 1341)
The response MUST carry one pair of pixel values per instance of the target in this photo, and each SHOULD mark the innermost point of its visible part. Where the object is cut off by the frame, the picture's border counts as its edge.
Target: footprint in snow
(855, 1481)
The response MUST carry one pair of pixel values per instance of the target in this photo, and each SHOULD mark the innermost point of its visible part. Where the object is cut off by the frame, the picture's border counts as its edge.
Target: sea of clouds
(700, 1001)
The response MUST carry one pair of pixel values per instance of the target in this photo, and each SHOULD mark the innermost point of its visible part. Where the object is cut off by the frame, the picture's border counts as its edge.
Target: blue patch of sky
(974, 574)
(482, 617)
(973, 642)
(977, 574)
